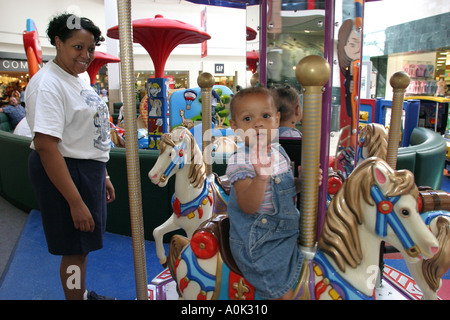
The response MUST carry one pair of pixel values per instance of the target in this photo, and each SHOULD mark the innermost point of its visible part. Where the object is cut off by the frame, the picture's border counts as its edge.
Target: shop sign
(13, 65)
(219, 68)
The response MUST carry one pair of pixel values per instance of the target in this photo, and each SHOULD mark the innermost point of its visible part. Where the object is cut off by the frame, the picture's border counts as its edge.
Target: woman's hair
(286, 99)
(65, 24)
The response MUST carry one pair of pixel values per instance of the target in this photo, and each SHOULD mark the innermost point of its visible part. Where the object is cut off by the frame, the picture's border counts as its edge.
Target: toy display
(157, 110)
(433, 113)
(186, 108)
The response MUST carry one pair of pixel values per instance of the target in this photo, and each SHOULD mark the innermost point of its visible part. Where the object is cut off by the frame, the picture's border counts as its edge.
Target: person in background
(69, 123)
(22, 96)
(287, 100)
(14, 111)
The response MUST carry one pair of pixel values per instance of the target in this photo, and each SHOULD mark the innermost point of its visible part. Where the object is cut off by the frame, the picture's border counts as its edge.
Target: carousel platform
(29, 272)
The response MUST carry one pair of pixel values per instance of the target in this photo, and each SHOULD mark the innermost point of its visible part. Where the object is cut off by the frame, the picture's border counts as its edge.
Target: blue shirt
(15, 114)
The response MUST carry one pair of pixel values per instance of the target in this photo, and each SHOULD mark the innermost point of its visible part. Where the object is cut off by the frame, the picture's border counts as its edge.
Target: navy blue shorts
(60, 233)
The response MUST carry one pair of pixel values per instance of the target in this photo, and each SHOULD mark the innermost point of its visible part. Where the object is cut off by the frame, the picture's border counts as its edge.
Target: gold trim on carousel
(216, 292)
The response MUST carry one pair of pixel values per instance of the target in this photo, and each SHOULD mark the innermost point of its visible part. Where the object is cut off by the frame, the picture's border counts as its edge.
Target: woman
(67, 167)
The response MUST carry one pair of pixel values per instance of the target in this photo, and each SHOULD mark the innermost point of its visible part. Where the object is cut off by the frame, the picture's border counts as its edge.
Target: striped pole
(312, 73)
(399, 82)
(205, 82)
(131, 147)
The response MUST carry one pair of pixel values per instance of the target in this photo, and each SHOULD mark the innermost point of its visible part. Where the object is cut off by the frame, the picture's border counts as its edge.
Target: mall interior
(394, 35)
(419, 35)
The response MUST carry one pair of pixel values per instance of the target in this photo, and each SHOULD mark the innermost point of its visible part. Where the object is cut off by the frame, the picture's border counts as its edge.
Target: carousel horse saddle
(223, 182)
(219, 227)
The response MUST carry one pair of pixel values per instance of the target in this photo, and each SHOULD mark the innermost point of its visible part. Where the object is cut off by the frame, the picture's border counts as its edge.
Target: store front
(421, 49)
(14, 74)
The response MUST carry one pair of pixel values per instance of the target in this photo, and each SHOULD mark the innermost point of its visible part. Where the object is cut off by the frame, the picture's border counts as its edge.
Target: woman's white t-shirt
(66, 107)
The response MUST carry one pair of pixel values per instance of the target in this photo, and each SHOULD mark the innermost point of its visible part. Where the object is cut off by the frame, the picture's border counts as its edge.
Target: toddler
(264, 221)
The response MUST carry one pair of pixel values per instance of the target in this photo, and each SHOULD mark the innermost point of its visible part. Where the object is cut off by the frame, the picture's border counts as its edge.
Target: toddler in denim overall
(263, 241)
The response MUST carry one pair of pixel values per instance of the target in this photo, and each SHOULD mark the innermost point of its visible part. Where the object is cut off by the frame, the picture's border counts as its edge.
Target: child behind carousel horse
(264, 220)
(287, 100)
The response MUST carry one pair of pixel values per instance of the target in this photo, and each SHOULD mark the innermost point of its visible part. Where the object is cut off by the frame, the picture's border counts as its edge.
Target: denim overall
(264, 246)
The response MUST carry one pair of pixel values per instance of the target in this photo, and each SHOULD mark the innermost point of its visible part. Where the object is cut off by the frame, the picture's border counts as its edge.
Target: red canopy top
(100, 59)
(252, 60)
(159, 36)
(251, 33)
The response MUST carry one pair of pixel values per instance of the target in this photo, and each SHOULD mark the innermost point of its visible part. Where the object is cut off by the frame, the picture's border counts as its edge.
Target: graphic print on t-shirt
(101, 119)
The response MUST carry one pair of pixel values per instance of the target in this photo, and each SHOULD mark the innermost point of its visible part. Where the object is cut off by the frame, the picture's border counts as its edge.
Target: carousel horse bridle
(386, 215)
(177, 160)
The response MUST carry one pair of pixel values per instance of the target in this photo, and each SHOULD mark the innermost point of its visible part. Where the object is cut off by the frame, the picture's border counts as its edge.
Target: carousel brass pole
(399, 82)
(312, 73)
(206, 82)
(131, 146)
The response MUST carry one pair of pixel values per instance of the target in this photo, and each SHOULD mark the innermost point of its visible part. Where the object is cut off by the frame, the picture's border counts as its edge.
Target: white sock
(85, 295)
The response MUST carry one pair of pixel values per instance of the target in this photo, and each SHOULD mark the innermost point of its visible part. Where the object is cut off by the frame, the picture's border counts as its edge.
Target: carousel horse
(196, 196)
(223, 145)
(374, 204)
(373, 141)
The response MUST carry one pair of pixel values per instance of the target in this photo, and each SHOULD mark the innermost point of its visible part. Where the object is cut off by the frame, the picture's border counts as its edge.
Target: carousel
(363, 203)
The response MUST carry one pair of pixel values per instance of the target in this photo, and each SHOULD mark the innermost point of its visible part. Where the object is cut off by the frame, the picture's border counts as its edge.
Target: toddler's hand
(262, 160)
(319, 179)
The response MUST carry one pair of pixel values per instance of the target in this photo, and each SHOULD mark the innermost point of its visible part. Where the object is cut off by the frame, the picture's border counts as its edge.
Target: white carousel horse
(195, 195)
(428, 272)
(374, 204)
(223, 144)
(373, 141)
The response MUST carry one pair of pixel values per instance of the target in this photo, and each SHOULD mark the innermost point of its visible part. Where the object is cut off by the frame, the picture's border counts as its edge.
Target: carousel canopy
(159, 36)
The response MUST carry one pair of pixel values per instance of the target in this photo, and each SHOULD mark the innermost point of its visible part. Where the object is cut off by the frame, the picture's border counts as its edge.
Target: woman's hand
(110, 192)
(82, 218)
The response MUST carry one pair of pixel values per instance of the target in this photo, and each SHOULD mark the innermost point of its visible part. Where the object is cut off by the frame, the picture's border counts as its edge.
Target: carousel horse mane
(375, 140)
(434, 268)
(197, 171)
(339, 238)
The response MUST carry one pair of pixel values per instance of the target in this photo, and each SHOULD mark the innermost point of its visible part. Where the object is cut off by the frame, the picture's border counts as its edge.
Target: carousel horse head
(384, 203)
(178, 151)
(373, 142)
(224, 144)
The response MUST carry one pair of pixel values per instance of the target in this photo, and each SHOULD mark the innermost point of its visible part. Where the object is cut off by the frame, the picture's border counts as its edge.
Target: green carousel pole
(131, 147)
